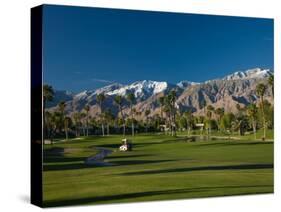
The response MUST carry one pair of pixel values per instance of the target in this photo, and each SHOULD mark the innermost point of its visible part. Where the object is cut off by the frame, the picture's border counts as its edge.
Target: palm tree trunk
(87, 128)
(175, 126)
(263, 118)
(123, 120)
(44, 121)
(170, 123)
(66, 133)
(102, 129)
(254, 129)
(107, 129)
(146, 125)
(132, 117)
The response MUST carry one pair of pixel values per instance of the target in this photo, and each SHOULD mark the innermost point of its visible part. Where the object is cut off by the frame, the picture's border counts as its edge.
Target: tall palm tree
(146, 113)
(203, 106)
(109, 117)
(55, 121)
(260, 91)
(82, 117)
(87, 109)
(162, 103)
(168, 122)
(77, 122)
(219, 114)
(188, 117)
(118, 100)
(271, 83)
(210, 110)
(48, 124)
(252, 111)
(100, 99)
(62, 106)
(172, 102)
(48, 95)
(131, 99)
(67, 121)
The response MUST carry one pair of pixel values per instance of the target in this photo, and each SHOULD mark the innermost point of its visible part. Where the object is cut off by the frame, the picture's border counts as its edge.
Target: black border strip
(36, 106)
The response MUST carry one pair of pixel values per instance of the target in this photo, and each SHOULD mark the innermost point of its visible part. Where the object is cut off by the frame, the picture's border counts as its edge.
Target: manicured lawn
(159, 168)
(247, 136)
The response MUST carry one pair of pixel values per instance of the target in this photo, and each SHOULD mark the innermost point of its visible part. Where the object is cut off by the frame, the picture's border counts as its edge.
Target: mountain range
(227, 92)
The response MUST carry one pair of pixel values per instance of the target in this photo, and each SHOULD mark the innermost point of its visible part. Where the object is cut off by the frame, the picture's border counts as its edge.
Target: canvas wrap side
(36, 106)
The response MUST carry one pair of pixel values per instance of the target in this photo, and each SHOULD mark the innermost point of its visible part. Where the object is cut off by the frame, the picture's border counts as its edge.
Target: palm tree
(87, 109)
(203, 105)
(67, 121)
(219, 113)
(83, 116)
(131, 99)
(162, 103)
(171, 101)
(62, 106)
(77, 122)
(271, 83)
(55, 123)
(167, 112)
(118, 100)
(108, 116)
(93, 123)
(252, 111)
(210, 109)
(48, 95)
(48, 124)
(146, 113)
(260, 91)
(100, 99)
(188, 117)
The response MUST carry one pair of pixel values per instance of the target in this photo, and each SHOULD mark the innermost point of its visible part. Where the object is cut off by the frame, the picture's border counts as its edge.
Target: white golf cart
(126, 145)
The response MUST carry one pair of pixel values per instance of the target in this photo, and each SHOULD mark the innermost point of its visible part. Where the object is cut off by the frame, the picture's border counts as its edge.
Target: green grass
(247, 136)
(159, 168)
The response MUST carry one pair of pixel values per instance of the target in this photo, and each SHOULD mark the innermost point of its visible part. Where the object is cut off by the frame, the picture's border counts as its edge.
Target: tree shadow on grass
(54, 151)
(232, 143)
(66, 166)
(203, 168)
(136, 162)
(58, 155)
(128, 196)
(63, 159)
(82, 165)
(127, 156)
(114, 146)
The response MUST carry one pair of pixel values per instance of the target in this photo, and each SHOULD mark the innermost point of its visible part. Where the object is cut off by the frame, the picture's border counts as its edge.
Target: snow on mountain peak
(184, 84)
(108, 88)
(140, 88)
(249, 74)
(83, 95)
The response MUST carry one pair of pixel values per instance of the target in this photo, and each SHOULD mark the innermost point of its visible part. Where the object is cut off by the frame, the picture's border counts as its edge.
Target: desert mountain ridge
(228, 91)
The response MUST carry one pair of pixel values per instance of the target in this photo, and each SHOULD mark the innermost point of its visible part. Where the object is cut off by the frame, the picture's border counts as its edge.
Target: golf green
(160, 167)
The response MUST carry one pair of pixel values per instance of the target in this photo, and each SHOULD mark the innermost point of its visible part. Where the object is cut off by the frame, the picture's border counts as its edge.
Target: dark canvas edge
(36, 106)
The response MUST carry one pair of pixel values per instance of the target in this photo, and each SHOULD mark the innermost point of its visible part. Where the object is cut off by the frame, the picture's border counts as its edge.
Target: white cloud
(101, 80)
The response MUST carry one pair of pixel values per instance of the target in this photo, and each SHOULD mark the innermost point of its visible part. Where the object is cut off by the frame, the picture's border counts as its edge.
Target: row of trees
(252, 117)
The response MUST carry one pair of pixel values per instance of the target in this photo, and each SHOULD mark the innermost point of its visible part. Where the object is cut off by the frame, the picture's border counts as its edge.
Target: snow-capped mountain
(106, 90)
(109, 88)
(249, 74)
(236, 88)
(141, 89)
(184, 84)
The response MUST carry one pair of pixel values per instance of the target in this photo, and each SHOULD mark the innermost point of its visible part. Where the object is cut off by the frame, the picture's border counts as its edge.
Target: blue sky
(87, 48)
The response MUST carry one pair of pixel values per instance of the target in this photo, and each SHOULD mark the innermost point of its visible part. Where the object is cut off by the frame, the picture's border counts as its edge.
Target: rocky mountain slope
(236, 88)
